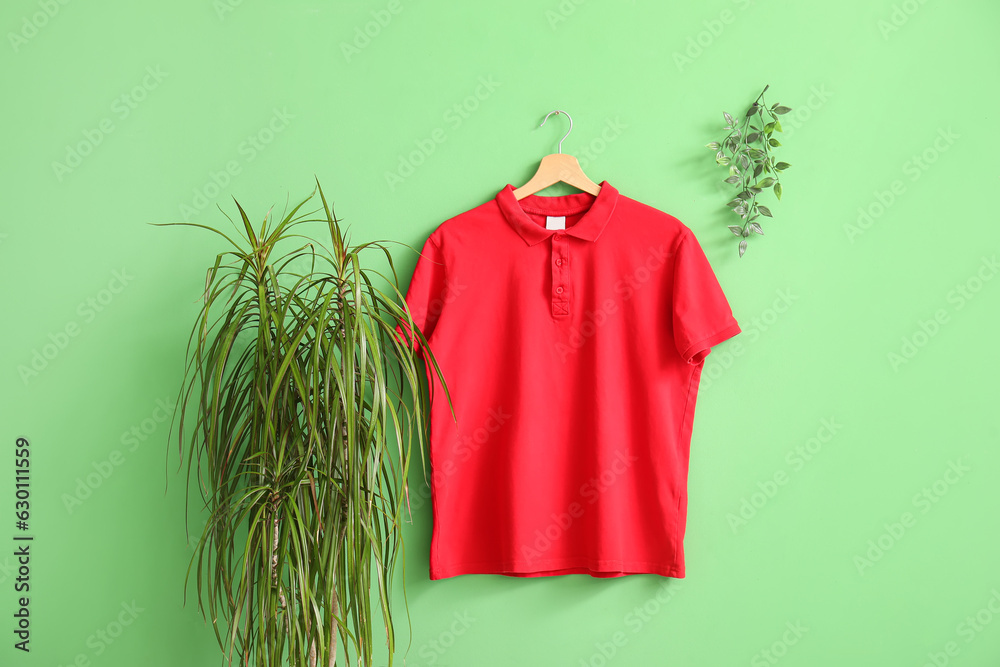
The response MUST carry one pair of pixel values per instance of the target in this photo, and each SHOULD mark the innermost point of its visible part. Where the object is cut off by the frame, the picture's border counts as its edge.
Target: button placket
(561, 293)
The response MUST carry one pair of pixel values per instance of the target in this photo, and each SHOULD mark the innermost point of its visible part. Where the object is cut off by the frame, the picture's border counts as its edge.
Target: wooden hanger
(558, 167)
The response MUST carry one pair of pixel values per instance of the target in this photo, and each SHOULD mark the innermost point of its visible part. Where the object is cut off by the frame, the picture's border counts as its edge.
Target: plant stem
(762, 93)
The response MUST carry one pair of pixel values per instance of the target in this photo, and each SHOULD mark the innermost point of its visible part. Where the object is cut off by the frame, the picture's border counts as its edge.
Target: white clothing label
(555, 222)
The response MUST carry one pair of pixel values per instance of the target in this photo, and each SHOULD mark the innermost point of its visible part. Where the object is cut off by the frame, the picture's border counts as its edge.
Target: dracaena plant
(301, 441)
(748, 152)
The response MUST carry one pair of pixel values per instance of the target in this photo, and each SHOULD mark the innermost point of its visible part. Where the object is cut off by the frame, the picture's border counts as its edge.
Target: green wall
(844, 501)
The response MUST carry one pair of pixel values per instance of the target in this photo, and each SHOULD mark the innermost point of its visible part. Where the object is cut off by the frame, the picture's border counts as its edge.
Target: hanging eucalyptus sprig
(748, 151)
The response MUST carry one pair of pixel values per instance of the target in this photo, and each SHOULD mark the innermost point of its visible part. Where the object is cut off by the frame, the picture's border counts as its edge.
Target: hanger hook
(570, 125)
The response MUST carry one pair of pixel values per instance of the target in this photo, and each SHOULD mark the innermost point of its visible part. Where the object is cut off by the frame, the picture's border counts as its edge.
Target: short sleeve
(702, 316)
(426, 294)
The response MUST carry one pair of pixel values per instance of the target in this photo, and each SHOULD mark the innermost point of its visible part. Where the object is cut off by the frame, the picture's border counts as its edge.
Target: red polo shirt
(573, 358)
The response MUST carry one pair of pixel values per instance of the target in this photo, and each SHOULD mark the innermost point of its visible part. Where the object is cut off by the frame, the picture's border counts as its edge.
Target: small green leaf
(777, 190)
(759, 168)
(777, 125)
(769, 127)
(764, 183)
(752, 137)
(715, 145)
(780, 110)
(764, 210)
(756, 153)
(752, 110)
(733, 180)
(739, 210)
(729, 119)
(743, 247)
(773, 142)
(781, 166)
(754, 227)
(735, 202)
(736, 229)
(724, 160)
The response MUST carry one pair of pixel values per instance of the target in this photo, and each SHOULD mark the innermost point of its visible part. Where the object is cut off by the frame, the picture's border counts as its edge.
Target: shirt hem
(594, 568)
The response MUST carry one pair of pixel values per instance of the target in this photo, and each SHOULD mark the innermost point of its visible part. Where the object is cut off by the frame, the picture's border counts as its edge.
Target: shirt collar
(598, 209)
